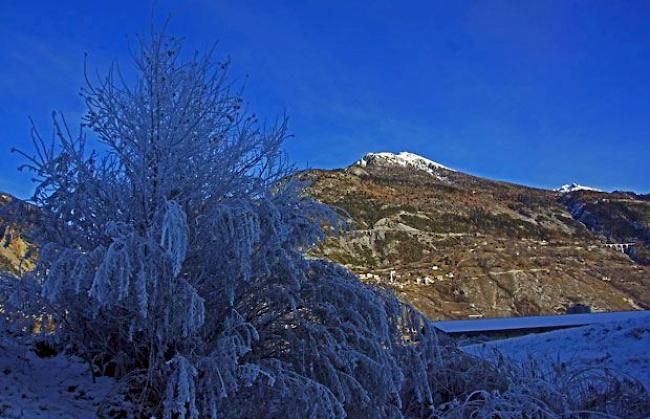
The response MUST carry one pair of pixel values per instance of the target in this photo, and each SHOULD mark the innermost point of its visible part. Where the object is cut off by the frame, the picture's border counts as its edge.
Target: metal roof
(535, 322)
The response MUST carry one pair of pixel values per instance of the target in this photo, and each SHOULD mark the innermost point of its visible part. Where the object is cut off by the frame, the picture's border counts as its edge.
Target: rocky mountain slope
(459, 246)
(620, 217)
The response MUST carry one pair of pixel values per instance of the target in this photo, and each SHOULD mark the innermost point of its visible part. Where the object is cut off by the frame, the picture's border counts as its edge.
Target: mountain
(460, 246)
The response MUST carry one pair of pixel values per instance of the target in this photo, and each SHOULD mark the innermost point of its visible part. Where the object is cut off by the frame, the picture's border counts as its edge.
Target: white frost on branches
(174, 235)
(113, 277)
(180, 397)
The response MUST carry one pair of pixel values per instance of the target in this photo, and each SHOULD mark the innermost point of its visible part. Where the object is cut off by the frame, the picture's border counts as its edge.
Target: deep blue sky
(534, 92)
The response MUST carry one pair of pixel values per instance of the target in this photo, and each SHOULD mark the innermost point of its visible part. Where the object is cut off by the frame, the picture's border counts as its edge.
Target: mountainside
(16, 252)
(459, 246)
(620, 217)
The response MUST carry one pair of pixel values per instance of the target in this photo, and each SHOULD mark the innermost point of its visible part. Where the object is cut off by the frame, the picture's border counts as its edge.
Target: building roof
(535, 322)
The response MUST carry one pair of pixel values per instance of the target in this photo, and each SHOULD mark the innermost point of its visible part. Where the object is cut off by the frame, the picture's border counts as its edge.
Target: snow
(55, 387)
(404, 159)
(534, 322)
(572, 187)
(622, 346)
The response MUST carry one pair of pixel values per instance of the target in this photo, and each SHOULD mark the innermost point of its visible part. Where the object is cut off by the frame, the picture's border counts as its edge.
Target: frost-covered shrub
(174, 259)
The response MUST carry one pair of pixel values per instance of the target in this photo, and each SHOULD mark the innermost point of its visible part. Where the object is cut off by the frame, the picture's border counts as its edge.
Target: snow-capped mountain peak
(404, 159)
(572, 187)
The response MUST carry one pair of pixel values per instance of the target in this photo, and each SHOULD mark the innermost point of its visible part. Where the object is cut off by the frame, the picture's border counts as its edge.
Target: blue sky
(535, 92)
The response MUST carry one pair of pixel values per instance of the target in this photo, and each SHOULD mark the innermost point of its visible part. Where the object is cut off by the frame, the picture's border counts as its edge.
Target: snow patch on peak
(404, 159)
(572, 187)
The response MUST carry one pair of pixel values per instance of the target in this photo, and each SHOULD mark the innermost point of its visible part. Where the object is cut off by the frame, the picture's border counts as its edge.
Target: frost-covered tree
(174, 259)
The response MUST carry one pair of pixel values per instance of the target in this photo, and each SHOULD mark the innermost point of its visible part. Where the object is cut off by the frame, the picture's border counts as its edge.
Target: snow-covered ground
(622, 346)
(54, 387)
(61, 386)
(571, 187)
